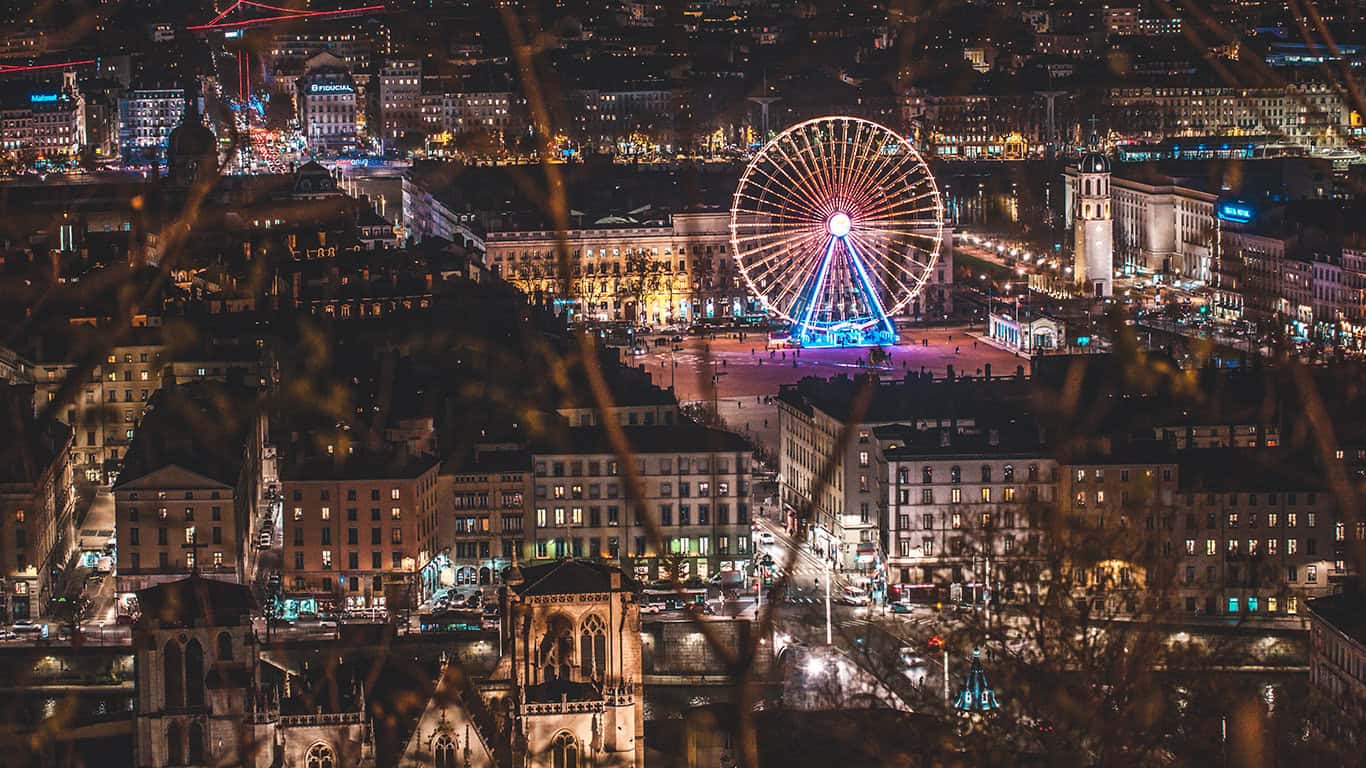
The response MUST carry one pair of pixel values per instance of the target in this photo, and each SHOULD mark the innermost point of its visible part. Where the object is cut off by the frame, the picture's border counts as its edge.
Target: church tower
(1093, 250)
(195, 661)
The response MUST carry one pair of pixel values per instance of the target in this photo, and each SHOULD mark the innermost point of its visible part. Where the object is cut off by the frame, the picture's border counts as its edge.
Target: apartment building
(191, 485)
(813, 417)
(147, 115)
(357, 530)
(1299, 114)
(965, 507)
(329, 108)
(484, 531)
(1337, 664)
(675, 270)
(1210, 531)
(104, 411)
(693, 481)
(400, 98)
(37, 501)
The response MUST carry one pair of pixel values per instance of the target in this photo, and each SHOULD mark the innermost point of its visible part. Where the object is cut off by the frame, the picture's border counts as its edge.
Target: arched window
(986, 473)
(320, 755)
(955, 474)
(443, 752)
(593, 648)
(224, 646)
(564, 751)
(1008, 473)
(196, 743)
(175, 744)
(557, 648)
(194, 674)
(927, 475)
(1033, 473)
(173, 675)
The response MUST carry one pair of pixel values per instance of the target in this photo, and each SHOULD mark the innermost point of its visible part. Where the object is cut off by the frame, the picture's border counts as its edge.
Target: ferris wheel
(836, 226)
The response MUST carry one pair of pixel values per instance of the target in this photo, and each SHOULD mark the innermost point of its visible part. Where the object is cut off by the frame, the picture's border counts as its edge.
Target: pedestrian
(751, 351)
(955, 350)
(974, 345)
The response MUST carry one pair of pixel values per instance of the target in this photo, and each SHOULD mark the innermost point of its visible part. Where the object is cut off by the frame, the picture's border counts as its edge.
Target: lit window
(326, 513)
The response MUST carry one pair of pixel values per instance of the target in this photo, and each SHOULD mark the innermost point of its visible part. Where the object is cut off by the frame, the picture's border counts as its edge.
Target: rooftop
(571, 577)
(679, 438)
(1345, 612)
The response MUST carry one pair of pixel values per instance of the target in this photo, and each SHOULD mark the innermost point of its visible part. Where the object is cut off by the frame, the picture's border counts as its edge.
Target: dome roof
(1094, 162)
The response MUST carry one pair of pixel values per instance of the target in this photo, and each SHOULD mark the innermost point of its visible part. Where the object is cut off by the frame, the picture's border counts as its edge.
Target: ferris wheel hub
(839, 224)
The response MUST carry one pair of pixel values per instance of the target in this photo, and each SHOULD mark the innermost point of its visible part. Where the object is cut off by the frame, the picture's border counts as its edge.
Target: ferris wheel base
(822, 338)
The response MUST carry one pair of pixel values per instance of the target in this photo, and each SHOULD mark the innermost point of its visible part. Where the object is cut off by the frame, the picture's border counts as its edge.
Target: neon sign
(44, 98)
(1239, 213)
(331, 88)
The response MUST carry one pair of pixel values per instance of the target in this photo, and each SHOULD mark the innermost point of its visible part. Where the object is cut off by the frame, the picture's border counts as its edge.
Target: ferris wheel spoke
(790, 288)
(850, 159)
(813, 160)
(866, 162)
(932, 232)
(894, 246)
(760, 194)
(897, 292)
(806, 198)
(801, 177)
(901, 209)
(842, 153)
(880, 293)
(792, 256)
(894, 253)
(775, 239)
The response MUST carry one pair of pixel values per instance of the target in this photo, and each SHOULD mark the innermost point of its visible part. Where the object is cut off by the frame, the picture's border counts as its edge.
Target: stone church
(566, 691)
(204, 697)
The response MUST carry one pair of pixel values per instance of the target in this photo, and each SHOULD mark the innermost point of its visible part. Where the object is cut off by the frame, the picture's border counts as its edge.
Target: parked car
(651, 609)
(902, 608)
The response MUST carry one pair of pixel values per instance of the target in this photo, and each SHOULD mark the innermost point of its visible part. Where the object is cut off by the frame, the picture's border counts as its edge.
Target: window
(1311, 574)
(986, 495)
(320, 755)
(564, 751)
(926, 496)
(327, 559)
(443, 752)
(956, 496)
(955, 474)
(927, 475)
(863, 458)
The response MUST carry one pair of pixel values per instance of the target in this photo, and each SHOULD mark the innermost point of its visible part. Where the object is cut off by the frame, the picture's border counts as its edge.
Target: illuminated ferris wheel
(836, 225)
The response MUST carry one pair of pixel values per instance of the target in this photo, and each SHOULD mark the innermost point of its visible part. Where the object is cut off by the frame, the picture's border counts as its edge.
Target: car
(704, 609)
(766, 539)
(854, 597)
(902, 608)
(125, 620)
(910, 659)
(677, 339)
(651, 609)
(265, 540)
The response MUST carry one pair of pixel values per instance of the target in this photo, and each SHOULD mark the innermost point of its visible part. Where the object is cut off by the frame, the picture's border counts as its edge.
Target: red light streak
(284, 14)
(6, 69)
